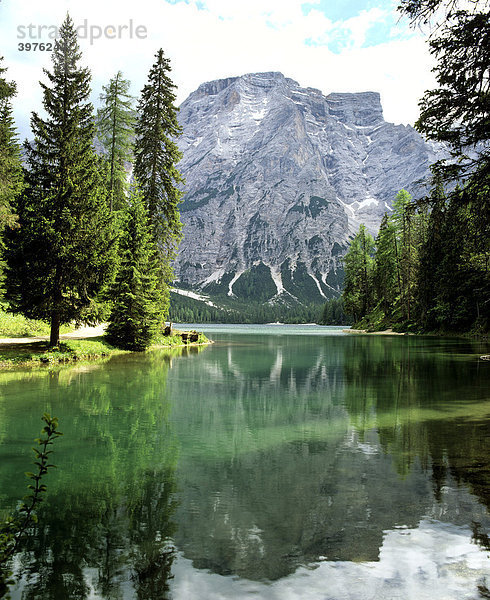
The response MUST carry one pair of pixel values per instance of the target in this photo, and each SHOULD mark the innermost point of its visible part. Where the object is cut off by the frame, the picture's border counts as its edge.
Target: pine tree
(333, 313)
(430, 256)
(64, 250)
(135, 316)
(406, 252)
(385, 276)
(115, 126)
(358, 266)
(11, 180)
(156, 156)
(476, 248)
(457, 111)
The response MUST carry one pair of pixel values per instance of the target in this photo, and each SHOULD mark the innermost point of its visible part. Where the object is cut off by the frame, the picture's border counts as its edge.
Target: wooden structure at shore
(188, 337)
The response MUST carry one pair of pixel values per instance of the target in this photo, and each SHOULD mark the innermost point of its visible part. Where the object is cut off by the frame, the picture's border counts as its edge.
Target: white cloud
(433, 561)
(223, 39)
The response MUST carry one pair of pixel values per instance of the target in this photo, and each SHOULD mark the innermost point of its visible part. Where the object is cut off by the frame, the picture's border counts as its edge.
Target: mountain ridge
(278, 177)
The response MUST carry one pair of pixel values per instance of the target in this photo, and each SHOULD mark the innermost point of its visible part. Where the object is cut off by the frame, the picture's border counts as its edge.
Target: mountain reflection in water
(284, 466)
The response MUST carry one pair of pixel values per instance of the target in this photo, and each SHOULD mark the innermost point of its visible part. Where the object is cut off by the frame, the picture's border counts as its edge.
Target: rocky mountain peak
(278, 177)
(361, 109)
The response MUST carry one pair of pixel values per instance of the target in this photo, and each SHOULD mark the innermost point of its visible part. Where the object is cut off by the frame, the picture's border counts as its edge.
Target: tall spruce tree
(431, 255)
(358, 282)
(135, 316)
(385, 277)
(11, 179)
(115, 126)
(403, 218)
(156, 156)
(64, 250)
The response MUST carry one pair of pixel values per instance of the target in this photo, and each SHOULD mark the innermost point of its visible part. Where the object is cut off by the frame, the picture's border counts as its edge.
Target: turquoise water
(279, 462)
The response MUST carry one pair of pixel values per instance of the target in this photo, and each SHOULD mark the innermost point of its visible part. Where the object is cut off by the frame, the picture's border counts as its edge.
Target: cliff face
(277, 178)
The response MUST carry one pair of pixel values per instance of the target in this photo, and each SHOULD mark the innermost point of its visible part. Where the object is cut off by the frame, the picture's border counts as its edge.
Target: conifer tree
(457, 111)
(476, 248)
(358, 267)
(431, 254)
(156, 156)
(386, 269)
(11, 180)
(135, 316)
(64, 250)
(406, 253)
(115, 127)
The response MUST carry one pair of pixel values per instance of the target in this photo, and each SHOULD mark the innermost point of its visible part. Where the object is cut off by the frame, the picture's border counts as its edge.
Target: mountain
(278, 177)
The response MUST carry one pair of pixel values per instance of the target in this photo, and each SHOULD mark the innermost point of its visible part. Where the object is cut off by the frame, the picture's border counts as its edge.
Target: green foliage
(76, 350)
(431, 266)
(453, 279)
(13, 529)
(115, 127)
(358, 267)
(406, 250)
(69, 350)
(334, 314)
(390, 297)
(255, 283)
(156, 156)
(386, 277)
(138, 305)
(16, 325)
(11, 179)
(456, 264)
(188, 310)
(457, 111)
(64, 251)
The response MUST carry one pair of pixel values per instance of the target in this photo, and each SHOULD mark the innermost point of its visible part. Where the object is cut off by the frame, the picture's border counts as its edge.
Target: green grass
(38, 353)
(18, 326)
(176, 340)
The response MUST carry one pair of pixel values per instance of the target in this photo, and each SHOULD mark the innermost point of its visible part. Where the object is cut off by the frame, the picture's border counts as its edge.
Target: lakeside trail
(79, 334)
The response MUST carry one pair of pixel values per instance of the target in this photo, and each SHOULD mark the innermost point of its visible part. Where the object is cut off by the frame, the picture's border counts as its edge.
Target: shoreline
(85, 344)
(366, 332)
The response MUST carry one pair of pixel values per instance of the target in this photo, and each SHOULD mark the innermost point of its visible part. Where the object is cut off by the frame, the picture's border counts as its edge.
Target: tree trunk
(54, 338)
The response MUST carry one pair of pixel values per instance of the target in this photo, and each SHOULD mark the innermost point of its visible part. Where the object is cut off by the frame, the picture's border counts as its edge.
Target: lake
(280, 462)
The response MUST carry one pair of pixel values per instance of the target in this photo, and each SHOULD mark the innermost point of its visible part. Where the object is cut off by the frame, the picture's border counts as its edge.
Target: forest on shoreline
(428, 270)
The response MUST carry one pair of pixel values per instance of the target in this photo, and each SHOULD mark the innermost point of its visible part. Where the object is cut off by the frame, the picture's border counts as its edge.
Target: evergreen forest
(428, 270)
(79, 246)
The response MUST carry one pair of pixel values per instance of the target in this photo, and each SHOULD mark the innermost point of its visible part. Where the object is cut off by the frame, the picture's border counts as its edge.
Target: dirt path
(78, 334)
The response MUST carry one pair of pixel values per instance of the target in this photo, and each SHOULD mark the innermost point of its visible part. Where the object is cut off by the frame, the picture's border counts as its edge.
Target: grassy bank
(176, 340)
(12, 326)
(39, 354)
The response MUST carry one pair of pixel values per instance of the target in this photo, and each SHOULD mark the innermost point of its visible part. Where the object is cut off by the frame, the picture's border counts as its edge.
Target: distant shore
(366, 332)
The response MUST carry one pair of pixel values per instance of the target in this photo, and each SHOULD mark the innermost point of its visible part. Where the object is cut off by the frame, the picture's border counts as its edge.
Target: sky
(331, 45)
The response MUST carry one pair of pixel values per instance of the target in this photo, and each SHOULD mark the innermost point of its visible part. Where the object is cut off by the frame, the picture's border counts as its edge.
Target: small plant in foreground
(13, 529)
